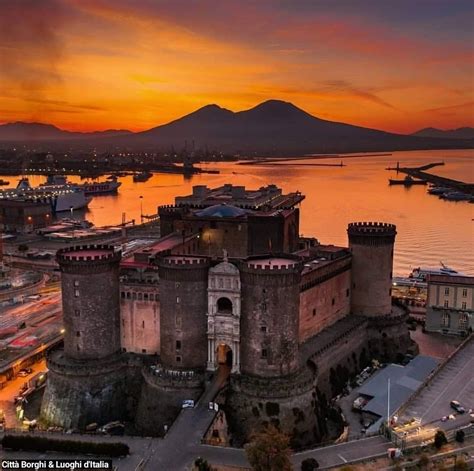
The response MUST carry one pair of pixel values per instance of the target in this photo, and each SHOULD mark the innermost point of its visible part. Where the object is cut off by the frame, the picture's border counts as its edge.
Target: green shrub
(309, 464)
(42, 444)
(440, 439)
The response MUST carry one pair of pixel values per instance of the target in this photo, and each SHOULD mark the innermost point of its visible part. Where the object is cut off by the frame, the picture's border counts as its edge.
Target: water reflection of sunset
(429, 230)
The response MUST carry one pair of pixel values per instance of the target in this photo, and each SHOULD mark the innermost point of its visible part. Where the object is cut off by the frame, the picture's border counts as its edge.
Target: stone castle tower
(183, 334)
(371, 244)
(273, 387)
(86, 381)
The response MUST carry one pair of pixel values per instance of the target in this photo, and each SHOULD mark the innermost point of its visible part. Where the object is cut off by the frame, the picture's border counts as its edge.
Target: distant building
(450, 307)
(24, 215)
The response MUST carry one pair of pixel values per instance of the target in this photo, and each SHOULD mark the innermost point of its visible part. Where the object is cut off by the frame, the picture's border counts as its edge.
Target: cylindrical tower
(87, 381)
(270, 320)
(371, 244)
(183, 308)
(91, 307)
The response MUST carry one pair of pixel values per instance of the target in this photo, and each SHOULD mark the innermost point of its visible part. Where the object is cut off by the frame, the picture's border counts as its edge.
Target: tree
(202, 465)
(460, 436)
(440, 439)
(269, 450)
(23, 248)
(309, 464)
(423, 461)
(461, 464)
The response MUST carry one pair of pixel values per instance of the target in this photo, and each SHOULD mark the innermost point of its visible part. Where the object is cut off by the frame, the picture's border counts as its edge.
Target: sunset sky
(397, 65)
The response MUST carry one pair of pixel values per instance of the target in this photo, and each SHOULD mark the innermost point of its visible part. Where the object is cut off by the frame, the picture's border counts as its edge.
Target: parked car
(113, 428)
(456, 405)
(188, 404)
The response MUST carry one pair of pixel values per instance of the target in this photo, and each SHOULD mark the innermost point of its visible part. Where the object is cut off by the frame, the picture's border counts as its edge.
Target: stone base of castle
(81, 393)
(161, 398)
(288, 402)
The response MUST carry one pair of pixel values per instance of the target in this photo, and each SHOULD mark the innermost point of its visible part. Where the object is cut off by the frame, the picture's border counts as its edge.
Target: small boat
(438, 190)
(142, 176)
(456, 196)
(407, 181)
(4, 182)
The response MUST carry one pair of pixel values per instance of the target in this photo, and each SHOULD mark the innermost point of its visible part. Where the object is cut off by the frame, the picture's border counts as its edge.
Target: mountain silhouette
(273, 127)
(459, 133)
(21, 131)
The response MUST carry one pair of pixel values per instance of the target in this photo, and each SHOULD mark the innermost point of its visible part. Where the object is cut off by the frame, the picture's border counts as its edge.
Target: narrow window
(143, 350)
(178, 321)
(78, 334)
(314, 312)
(177, 300)
(178, 359)
(76, 283)
(264, 353)
(143, 324)
(76, 293)
(446, 303)
(464, 292)
(178, 344)
(445, 320)
(333, 301)
(446, 291)
(77, 312)
(347, 292)
(463, 305)
(263, 328)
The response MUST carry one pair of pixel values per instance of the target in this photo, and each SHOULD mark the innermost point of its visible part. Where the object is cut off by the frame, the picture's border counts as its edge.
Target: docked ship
(61, 197)
(419, 276)
(142, 176)
(407, 181)
(90, 188)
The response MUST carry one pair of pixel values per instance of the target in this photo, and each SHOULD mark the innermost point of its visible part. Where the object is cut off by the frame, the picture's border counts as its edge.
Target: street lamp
(141, 209)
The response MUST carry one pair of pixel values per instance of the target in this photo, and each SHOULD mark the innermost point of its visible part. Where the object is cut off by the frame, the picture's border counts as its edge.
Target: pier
(420, 173)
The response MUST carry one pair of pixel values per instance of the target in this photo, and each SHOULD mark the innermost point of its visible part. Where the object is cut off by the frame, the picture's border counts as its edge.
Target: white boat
(419, 276)
(422, 273)
(90, 188)
(61, 197)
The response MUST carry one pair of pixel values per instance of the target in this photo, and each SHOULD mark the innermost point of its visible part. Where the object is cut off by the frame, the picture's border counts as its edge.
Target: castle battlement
(371, 228)
(179, 260)
(88, 253)
(371, 233)
(273, 264)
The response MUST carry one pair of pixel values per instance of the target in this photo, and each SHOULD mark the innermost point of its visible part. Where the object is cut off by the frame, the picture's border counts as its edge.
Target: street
(453, 382)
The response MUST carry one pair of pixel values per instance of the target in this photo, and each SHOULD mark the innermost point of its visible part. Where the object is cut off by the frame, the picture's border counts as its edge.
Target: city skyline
(87, 66)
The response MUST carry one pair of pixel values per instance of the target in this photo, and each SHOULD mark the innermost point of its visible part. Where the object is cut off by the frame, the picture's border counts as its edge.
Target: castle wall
(140, 319)
(217, 235)
(183, 307)
(161, 399)
(325, 298)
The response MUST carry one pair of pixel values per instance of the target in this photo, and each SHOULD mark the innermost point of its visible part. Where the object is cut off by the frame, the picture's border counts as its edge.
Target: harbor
(421, 173)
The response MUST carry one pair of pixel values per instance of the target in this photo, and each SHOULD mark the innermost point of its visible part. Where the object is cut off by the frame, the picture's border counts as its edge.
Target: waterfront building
(24, 215)
(450, 306)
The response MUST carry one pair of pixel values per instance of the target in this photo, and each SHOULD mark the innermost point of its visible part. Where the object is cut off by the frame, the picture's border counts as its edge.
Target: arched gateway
(223, 317)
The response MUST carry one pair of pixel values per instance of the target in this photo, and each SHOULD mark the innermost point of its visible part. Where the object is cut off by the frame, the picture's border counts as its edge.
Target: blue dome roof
(221, 211)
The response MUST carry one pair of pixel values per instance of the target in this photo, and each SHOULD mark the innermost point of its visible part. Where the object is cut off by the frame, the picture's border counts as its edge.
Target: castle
(230, 283)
